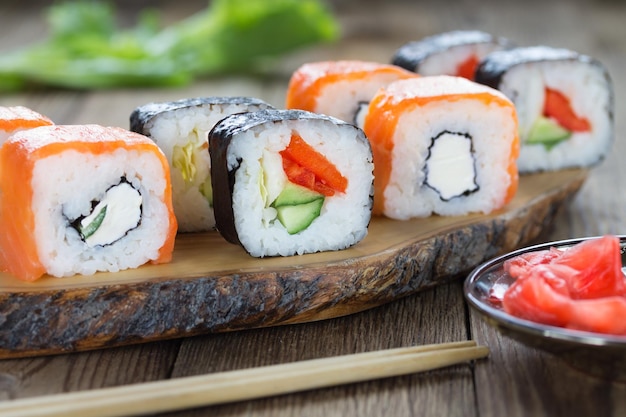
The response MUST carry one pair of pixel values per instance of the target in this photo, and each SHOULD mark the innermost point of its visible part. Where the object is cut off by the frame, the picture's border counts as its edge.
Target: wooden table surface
(513, 381)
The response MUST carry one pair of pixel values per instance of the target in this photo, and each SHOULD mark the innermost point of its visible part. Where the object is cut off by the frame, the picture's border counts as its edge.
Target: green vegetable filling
(186, 160)
(547, 132)
(87, 49)
(92, 227)
(297, 207)
(206, 189)
(111, 218)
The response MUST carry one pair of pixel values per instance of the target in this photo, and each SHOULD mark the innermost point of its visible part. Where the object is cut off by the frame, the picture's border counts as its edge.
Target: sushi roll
(82, 199)
(290, 182)
(14, 119)
(564, 103)
(340, 89)
(450, 53)
(180, 129)
(442, 145)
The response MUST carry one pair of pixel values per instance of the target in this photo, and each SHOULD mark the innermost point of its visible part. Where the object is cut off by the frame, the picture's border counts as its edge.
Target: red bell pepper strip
(558, 107)
(467, 68)
(301, 160)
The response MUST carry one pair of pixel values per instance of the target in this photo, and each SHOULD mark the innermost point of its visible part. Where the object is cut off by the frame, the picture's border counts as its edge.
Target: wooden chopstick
(245, 384)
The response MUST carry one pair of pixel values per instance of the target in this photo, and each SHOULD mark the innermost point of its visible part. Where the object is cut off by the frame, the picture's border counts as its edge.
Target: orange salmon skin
(308, 81)
(20, 117)
(402, 96)
(18, 247)
(13, 119)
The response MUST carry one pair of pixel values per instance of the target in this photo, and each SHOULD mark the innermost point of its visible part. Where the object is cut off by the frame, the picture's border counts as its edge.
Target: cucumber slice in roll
(547, 132)
(297, 207)
(299, 217)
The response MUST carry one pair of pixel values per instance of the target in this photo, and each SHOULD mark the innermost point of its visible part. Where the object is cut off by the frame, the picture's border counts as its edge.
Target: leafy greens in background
(87, 50)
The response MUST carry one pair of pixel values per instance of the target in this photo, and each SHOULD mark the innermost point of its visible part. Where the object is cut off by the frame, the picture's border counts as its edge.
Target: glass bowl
(601, 354)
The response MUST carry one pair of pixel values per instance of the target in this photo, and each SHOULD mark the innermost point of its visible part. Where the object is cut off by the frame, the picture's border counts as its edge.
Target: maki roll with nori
(564, 103)
(450, 53)
(180, 129)
(341, 89)
(82, 199)
(442, 145)
(290, 182)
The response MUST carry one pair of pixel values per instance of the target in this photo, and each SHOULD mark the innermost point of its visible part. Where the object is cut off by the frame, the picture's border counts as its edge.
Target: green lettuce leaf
(87, 50)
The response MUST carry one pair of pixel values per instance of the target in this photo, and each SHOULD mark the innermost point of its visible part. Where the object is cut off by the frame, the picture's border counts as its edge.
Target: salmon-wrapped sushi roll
(340, 89)
(82, 199)
(442, 145)
(14, 119)
(564, 103)
(450, 53)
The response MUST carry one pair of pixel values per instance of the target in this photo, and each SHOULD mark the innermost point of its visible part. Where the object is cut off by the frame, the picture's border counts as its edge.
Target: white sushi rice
(447, 62)
(492, 129)
(179, 128)
(586, 87)
(64, 186)
(344, 217)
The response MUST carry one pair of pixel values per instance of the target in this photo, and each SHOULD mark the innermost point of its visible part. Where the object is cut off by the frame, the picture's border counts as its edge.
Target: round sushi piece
(442, 145)
(180, 128)
(564, 103)
(450, 53)
(290, 182)
(82, 199)
(16, 118)
(340, 89)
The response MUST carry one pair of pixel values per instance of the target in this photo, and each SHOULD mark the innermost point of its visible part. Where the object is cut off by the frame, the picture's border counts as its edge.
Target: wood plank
(113, 107)
(557, 387)
(20, 25)
(213, 286)
(409, 321)
(62, 373)
(522, 381)
(515, 380)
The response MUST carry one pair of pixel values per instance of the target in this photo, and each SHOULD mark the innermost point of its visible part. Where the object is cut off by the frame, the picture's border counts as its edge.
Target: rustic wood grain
(212, 286)
(81, 371)
(559, 384)
(378, 328)
(514, 380)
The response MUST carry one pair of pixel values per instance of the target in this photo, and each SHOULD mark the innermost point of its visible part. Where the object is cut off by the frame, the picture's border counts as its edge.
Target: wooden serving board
(213, 286)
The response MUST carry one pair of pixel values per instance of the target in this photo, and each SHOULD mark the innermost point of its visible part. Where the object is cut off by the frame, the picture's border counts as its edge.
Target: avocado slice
(297, 207)
(547, 132)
